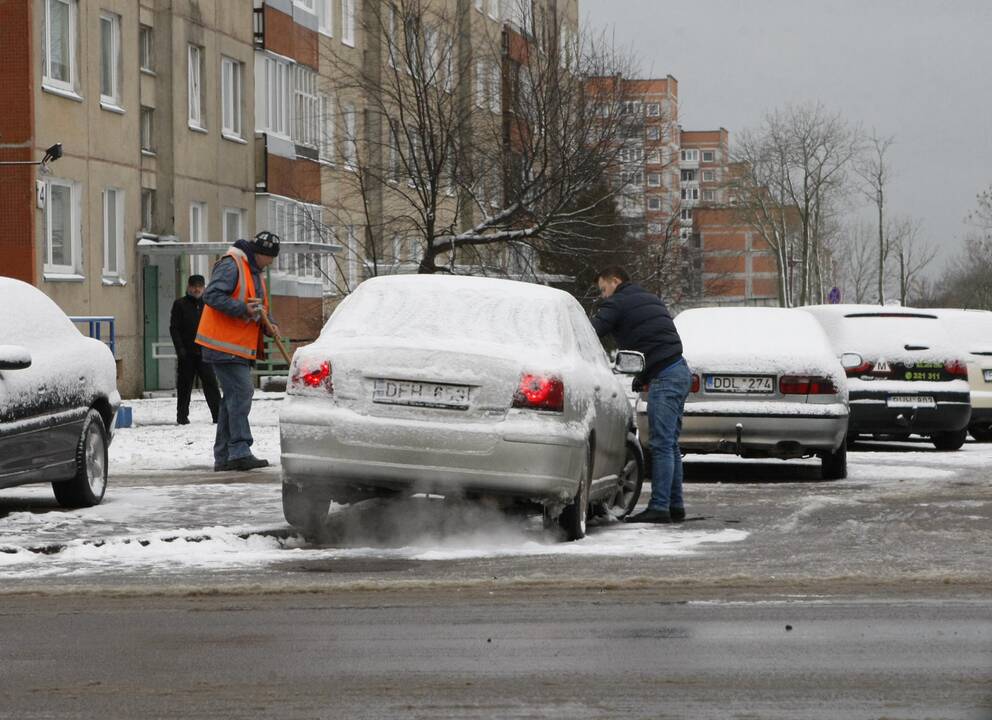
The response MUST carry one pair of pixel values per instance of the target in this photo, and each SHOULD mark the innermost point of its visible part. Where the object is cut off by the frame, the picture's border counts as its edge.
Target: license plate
(421, 394)
(988, 375)
(910, 401)
(742, 384)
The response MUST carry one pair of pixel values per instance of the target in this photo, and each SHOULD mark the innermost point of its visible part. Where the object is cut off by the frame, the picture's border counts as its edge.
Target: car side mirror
(850, 360)
(628, 362)
(14, 357)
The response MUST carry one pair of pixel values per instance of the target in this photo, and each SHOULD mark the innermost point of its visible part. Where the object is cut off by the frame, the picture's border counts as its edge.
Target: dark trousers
(187, 370)
(233, 440)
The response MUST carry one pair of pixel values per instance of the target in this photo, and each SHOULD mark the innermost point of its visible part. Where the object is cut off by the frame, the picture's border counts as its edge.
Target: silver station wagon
(467, 387)
(765, 384)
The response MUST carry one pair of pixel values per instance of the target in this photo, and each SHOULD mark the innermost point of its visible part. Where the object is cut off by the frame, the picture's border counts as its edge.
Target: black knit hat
(266, 243)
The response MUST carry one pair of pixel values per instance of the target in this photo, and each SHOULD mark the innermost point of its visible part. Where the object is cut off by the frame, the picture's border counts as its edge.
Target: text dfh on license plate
(745, 384)
(911, 401)
(421, 394)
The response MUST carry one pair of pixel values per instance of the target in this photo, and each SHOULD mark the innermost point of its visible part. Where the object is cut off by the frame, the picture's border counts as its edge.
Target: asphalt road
(498, 654)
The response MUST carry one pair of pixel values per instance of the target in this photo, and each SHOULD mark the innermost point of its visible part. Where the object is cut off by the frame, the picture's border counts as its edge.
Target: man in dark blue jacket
(638, 320)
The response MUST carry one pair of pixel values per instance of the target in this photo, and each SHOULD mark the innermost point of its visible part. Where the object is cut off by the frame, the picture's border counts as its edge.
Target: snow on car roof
(970, 329)
(892, 332)
(30, 313)
(733, 338)
(434, 308)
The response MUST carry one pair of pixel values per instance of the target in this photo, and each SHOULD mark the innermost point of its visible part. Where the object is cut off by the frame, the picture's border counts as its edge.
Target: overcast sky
(920, 70)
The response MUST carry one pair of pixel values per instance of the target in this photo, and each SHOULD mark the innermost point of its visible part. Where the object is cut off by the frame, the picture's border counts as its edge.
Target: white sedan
(458, 386)
(765, 383)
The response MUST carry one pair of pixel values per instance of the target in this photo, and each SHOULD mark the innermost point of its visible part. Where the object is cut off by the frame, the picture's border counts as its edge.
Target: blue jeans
(234, 439)
(666, 401)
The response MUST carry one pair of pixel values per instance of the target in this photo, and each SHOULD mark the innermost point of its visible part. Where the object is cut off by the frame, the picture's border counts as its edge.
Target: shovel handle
(275, 336)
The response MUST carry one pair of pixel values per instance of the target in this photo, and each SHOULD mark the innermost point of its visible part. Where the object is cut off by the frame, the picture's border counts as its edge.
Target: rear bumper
(521, 457)
(870, 414)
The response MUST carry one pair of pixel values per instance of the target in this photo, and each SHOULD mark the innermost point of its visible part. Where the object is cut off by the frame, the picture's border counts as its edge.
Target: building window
(234, 225)
(146, 57)
(688, 176)
(307, 5)
(709, 195)
(493, 9)
(60, 43)
(232, 91)
(325, 17)
(350, 137)
(113, 233)
(654, 133)
(631, 154)
(273, 92)
(686, 214)
(147, 209)
(62, 252)
(351, 248)
(305, 106)
(654, 179)
(690, 155)
(632, 107)
(709, 175)
(709, 156)
(195, 87)
(326, 125)
(654, 202)
(348, 22)
(654, 109)
(147, 127)
(654, 157)
(198, 234)
(522, 14)
(110, 59)
(654, 228)
(690, 193)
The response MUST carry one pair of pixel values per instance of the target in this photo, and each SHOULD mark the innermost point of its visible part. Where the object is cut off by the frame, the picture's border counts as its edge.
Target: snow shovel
(275, 336)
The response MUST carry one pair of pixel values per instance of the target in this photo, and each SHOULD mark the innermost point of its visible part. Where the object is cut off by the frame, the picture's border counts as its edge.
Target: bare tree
(792, 173)
(860, 268)
(479, 140)
(914, 254)
(876, 173)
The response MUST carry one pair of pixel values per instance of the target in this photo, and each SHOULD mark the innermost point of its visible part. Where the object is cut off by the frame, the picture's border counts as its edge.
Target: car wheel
(950, 440)
(981, 434)
(305, 510)
(572, 520)
(833, 465)
(87, 488)
(629, 484)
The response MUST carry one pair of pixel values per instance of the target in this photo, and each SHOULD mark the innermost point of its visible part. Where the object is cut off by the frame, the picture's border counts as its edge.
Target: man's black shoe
(677, 513)
(220, 467)
(651, 516)
(182, 421)
(247, 463)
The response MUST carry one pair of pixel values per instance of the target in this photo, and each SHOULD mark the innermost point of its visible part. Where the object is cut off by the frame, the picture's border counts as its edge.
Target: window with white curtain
(60, 39)
(110, 59)
(62, 236)
(234, 225)
(348, 22)
(232, 91)
(113, 233)
(195, 87)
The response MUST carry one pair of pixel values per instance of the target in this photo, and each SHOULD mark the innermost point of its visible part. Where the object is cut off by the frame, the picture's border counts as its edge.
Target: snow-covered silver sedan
(458, 386)
(765, 383)
(58, 399)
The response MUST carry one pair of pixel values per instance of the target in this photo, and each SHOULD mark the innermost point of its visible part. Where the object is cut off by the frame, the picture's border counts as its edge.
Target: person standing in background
(183, 323)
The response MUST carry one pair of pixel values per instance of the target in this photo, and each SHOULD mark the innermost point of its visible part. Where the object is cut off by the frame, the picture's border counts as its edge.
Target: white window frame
(326, 125)
(709, 175)
(146, 49)
(147, 129)
(72, 227)
(199, 227)
(690, 155)
(273, 96)
(654, 202)
(239, 213)
(685, 213)
(351, 259)
(325, 17)
(709, 195)
(654, 228)
(307, 5)
(712, 156)
(232, 89)
(653, 157)
(113, 100)
(348, 22)
(495, 88)
(306, 126)
(48, 80)
(653, 132)
(653, 109)
(113, 247)
(196, 114)
(147, 209)
(350, 139)
(654, 179)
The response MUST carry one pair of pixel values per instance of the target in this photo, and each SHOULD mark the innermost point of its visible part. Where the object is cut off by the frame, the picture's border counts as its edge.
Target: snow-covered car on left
(58, 399)
(765, 384)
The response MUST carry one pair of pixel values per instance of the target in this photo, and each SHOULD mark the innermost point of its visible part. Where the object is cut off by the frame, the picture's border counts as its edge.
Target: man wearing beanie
(230, 333)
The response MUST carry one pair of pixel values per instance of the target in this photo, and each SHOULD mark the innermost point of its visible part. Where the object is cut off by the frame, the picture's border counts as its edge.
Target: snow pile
(971, 330)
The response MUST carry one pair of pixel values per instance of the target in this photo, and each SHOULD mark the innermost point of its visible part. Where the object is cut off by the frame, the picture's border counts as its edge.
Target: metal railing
(95, 325)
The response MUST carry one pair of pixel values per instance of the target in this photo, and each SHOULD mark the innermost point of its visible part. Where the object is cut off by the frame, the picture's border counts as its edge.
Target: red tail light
(540, 392)
(695, 383)
(859, 370)
(957, 369)
(806, 385)
(311, 376)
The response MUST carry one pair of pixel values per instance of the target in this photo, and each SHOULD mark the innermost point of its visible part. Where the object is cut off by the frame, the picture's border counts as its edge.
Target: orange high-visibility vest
(237, 336)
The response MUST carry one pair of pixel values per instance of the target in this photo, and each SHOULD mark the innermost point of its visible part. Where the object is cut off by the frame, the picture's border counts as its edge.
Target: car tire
(629, 485)
(981, 434)
(833, 465)
(573, 518)
(949, 440)
(306, 510)
(89, 485)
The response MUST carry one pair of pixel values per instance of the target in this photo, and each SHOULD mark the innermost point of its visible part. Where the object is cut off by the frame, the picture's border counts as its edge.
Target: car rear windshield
(468, 317)
(895, 335)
